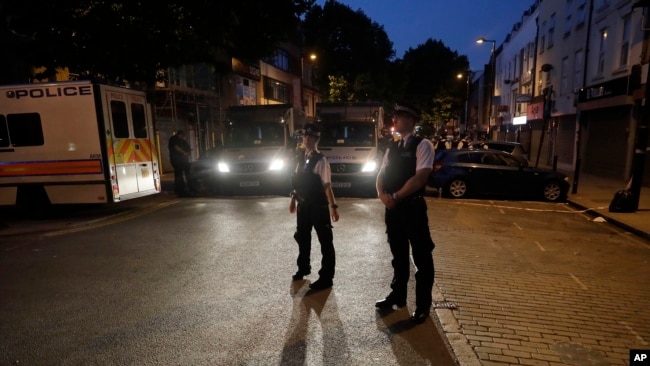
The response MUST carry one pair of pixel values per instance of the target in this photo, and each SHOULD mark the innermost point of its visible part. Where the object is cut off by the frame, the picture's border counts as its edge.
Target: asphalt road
(205, 281)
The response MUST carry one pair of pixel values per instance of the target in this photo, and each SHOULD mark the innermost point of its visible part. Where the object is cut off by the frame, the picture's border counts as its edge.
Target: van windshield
(256, 134)
(348, 134)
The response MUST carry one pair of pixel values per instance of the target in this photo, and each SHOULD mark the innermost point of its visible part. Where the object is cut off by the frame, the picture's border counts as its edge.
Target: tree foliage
(349, 46)
(133, 39)
(432, 85)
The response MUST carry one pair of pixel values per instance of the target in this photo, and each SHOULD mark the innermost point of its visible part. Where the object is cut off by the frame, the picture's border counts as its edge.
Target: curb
(593, 212)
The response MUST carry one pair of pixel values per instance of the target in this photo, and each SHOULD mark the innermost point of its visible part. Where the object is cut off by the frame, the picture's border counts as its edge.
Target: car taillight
(437, 166)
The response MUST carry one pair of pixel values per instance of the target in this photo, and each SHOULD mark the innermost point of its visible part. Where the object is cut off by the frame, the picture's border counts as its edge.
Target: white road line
(578, 281)
(540, 246)
(518, 227)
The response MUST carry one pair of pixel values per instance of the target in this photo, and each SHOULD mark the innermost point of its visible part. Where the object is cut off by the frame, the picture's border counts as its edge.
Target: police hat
(311, 129)
(407, 108)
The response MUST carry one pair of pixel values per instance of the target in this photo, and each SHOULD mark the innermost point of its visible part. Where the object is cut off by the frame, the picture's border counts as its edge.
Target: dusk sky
(457, 23)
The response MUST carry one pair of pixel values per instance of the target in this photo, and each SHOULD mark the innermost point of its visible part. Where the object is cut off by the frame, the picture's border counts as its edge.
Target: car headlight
(277, 164)
(223, 167)
(369, 166)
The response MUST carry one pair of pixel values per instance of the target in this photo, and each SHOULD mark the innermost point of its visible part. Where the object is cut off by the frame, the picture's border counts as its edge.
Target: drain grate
(444, 305)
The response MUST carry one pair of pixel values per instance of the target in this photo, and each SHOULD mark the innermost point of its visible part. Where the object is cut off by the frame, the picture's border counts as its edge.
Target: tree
(349, 46)
(134, 39)
(431, 70)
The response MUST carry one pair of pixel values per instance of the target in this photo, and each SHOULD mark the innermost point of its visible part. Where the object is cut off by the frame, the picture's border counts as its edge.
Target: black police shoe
(388, 303)
(419, 316)
(321, 284)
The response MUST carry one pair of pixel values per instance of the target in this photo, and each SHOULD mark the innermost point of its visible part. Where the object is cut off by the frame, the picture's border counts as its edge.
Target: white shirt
(322, 168)
(423, 154)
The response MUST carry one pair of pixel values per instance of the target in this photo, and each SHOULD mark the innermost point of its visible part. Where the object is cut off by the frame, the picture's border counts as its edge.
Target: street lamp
(493, 77)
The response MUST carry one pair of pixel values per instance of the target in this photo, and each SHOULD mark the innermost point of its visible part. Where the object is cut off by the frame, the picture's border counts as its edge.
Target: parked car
(487, 172)
(513, 148)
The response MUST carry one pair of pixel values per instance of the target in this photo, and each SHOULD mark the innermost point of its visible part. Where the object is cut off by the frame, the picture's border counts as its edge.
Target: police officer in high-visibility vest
(313, 200)
(401, 184)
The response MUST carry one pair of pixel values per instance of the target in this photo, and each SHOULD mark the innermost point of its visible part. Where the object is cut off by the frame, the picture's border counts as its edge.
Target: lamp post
(468, 75)
(493, 77)
(312, 57)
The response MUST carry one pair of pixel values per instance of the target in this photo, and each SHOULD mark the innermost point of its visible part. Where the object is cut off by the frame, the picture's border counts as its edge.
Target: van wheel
(33, 201)
(552, 191)
(457, 188)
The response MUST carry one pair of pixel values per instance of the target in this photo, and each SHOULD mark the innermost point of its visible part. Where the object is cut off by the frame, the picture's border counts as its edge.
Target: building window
(567, 19)
(551, 31)
(578, 64)
(601, 52)
(280, 59)
(564, 77)
(276, 90)
(580, 13)
(625, 41)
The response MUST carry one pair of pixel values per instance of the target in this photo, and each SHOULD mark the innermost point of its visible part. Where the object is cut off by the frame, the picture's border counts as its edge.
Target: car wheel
(457, 188)
(552, 191)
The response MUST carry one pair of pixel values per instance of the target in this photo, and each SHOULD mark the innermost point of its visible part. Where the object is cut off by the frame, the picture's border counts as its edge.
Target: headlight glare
(369, 166)
(223, 167)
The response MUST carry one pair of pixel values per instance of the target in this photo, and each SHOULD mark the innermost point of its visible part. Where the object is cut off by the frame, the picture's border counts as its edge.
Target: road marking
(110, 220)
(518, 227)
(540, 246)
(503, 212)
(579, 282)
(512, 207)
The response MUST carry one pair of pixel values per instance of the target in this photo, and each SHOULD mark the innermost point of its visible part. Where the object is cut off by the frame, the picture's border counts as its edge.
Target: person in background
(179, 154)
(312, 199)
(401, 184)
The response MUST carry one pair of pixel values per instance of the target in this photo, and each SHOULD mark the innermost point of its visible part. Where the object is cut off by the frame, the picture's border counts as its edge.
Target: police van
(350, 133)
(75, 142)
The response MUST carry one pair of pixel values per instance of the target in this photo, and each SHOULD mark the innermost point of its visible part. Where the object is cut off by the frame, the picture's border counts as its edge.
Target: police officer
(401, 184)
(313, 200)
(179, 155)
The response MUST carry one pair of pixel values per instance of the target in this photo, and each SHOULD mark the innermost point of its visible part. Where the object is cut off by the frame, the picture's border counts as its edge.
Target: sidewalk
(594, 195)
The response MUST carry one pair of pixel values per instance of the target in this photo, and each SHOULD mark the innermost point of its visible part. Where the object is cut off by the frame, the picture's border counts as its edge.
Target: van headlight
(223, 167)
(277, 164)
(369, 166)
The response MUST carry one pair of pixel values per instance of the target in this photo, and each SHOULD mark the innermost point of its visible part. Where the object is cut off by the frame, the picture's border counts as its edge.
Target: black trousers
(408, 225)
(181, 176)
(317, 217)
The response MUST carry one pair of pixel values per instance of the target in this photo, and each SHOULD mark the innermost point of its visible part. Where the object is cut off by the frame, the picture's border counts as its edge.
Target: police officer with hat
(313, 201)
(401, 184)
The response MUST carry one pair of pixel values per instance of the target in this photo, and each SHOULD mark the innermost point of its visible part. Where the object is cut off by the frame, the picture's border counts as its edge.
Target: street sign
(522, 98)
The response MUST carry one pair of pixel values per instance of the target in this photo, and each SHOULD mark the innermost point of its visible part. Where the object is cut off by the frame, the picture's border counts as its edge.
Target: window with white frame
(578, 65)
(600, 66)
(625, 41)
(567, 18)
